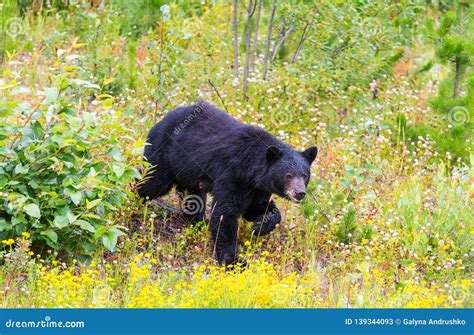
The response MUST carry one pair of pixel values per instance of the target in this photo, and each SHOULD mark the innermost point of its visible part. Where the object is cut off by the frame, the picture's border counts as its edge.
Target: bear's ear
(310, 154)
(273, 153)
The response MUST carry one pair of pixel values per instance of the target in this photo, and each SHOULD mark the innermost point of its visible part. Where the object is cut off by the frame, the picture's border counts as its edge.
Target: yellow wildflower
(9, 241)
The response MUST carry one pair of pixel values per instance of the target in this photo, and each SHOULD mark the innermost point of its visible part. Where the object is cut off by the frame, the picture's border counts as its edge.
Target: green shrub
(61, 177)
(455, 98)
(436, 218)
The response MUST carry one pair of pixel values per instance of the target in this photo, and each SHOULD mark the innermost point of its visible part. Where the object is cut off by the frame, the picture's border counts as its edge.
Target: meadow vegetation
(385, 89)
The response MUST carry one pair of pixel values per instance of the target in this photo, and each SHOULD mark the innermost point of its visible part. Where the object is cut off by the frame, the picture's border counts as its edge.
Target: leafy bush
(438, 222)
(61, 176)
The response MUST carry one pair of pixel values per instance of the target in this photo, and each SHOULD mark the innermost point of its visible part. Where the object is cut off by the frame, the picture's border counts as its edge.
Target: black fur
(201, 149)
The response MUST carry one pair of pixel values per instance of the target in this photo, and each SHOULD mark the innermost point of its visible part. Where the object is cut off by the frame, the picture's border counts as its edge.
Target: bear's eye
(289, 176)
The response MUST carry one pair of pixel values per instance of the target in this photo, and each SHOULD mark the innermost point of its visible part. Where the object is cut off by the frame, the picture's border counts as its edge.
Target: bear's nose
(300, 195)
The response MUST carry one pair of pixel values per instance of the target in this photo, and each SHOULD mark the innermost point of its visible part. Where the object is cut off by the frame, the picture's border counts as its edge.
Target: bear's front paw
(264, 224)
(226, 257)
(231, 261)
(237, 266)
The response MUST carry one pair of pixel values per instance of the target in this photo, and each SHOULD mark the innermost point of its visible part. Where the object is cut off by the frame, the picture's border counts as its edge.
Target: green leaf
(118, 169)
(3, 181)
(33, 210)
(18, 220)
(51, 94)
(10, 104)
(5, 113)
(363, 267)
(4, 225)
(93, 203)
(20, 169)
(101, 230)
(68, 142)
(132, 173)
(109, 239)
(360, 179)
(85, 225)
(71, 217)
(60, 221)
(344, 182)
(84, 83)
(51, 234)
(76, 198)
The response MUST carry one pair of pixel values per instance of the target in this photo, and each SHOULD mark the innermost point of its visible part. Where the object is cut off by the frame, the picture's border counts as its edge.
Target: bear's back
(202, 117)
(204, 125)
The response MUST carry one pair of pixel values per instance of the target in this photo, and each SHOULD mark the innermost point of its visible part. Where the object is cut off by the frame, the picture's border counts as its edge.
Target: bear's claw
(264, 224)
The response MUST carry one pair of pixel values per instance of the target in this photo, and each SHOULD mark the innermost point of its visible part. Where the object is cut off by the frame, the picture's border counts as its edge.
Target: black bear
(201, 149)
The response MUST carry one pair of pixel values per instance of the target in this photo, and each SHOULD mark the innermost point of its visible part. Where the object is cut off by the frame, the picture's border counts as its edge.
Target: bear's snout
(296, 189)
(300, 195)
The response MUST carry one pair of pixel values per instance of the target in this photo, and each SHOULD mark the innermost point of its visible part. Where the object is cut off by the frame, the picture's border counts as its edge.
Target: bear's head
(288, 171)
